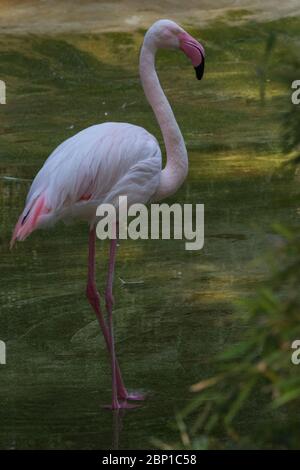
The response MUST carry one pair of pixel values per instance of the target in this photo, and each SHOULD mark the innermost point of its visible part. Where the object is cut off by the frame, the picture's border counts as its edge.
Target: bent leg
(94, 299)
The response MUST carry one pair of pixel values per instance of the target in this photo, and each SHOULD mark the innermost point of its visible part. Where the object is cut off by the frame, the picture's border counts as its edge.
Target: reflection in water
(117, 419)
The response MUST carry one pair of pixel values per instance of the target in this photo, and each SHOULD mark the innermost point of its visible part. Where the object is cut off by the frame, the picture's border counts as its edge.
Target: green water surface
(170, 325)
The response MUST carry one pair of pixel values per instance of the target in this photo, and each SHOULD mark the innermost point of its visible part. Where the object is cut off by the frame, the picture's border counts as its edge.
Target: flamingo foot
(123, 394)
(136, 396)
(120, 405)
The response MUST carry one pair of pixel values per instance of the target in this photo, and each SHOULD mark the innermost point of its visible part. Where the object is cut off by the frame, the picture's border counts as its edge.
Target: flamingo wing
(96, 165)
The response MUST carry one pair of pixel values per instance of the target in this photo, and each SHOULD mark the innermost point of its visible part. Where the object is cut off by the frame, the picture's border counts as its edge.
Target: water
(170, 326)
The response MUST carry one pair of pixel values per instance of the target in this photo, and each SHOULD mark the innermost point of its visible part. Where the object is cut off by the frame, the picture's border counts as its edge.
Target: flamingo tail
(29, 219)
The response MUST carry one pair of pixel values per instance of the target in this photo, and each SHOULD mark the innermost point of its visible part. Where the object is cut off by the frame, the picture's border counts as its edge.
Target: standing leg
(109, 300)
(109, 306)
(94, 299)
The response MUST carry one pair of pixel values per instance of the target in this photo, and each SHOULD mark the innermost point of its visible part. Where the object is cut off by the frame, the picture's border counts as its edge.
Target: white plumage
(97, 165)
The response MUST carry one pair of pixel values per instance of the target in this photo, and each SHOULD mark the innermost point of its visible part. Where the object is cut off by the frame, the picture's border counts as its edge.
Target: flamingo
(108, 160)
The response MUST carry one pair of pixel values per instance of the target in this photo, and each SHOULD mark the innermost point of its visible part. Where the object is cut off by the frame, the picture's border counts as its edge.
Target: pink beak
(194, 51)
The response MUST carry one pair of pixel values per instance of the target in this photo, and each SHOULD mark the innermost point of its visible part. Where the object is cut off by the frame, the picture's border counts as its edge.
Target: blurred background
(54, 16)
(207, 334)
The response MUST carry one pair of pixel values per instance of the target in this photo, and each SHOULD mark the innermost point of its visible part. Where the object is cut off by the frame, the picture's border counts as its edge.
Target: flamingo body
(94, 166)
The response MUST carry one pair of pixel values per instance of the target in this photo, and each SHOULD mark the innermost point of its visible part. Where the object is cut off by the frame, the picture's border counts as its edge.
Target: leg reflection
(118, 416)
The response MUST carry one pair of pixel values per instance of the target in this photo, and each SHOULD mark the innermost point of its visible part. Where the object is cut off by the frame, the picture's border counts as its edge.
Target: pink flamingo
(105, 161)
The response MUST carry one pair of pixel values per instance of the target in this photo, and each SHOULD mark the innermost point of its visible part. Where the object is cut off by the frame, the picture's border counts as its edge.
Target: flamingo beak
(200, 69)
(194, 51)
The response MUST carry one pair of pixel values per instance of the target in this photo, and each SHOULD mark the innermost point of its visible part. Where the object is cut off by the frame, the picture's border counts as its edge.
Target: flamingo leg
(109, 301)
(94, 299)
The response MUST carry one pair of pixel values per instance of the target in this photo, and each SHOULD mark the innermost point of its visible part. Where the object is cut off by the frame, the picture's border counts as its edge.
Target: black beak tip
(200, 69)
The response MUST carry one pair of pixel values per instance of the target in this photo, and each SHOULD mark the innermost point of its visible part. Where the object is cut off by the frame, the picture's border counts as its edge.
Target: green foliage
(256, 378)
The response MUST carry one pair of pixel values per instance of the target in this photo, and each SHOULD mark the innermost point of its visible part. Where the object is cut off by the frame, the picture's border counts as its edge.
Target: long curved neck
(175, 171)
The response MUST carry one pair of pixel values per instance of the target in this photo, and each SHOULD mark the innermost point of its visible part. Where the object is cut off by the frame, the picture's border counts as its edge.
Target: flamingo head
(169, 35)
